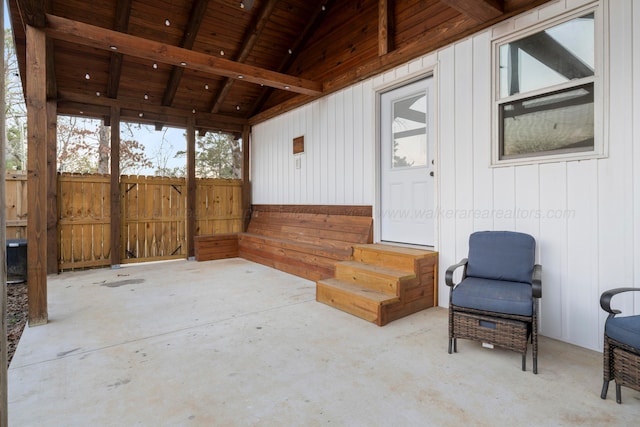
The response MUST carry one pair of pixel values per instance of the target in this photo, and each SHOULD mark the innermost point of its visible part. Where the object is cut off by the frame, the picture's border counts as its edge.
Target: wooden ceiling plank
(101, 38)
(195, 21)
(288, 60)
(251, 37)
(480, 10)
(123, 11)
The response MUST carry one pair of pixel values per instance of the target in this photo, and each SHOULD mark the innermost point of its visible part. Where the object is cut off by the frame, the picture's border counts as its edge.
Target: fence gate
(153, 218)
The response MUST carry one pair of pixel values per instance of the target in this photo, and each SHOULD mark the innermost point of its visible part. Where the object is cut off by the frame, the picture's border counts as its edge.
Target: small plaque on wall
(298, 145)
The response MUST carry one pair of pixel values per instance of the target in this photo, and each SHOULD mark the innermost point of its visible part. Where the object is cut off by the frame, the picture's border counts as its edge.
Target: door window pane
(410, 132)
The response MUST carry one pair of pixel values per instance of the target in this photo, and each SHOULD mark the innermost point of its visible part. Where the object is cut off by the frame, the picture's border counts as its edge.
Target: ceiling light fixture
(287, 87)
(87, 76)
(155, 66)
(290, 51)
(222, 53)
(206, 86)
(146, 96)
(238, 107)
(167, 22)
(141, 115)
(98, 93)
(241, 76)
(112, 47)
(246, 4)
(184, 64)
(193, 111)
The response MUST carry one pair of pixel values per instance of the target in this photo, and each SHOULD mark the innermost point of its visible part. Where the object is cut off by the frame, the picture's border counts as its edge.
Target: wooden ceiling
(163, 61)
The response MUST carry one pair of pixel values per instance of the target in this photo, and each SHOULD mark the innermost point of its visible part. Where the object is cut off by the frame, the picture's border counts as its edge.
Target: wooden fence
(16, 207)
(153, 216)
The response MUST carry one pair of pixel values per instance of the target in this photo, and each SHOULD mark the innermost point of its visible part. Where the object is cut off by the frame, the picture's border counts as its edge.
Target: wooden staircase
(382, 283)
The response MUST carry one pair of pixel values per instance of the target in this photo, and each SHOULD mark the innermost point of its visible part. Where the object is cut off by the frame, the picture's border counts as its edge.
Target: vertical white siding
(585, 215)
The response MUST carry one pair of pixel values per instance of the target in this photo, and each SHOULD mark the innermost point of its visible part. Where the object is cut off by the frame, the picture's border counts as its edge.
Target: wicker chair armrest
(448, 275)
(605, 299)
(536, 281)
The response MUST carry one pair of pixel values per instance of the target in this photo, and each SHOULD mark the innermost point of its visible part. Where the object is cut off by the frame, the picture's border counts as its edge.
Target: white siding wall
(588, 232)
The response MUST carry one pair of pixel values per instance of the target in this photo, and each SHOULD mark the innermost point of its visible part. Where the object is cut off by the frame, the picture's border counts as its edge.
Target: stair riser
(378, 282)
(350, 303)
(396, 261)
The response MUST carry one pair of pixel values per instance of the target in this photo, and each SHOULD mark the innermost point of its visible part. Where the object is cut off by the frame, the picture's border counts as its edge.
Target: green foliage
(218, 155)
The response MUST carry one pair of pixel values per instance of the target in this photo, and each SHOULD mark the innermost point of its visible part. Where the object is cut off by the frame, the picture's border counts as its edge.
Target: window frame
(600, 148)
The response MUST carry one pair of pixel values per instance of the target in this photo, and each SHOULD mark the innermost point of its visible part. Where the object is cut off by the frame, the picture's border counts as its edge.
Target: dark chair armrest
(448, 275)
(605, 299)
(536, 281)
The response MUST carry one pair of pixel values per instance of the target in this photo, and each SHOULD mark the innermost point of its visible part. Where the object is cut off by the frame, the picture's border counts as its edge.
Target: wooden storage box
(509, 334)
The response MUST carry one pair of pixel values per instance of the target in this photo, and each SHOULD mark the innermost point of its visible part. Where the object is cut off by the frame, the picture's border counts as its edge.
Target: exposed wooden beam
(250, 39)
(132, 105)
(123, 11)
(385, 26)
(101, 38)
(36, 100)
(195, 20)
(480, 10)
(32, 13)
(320, 13)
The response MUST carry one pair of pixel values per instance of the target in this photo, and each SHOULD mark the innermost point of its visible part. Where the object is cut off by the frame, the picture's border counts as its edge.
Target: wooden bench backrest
(338, 227)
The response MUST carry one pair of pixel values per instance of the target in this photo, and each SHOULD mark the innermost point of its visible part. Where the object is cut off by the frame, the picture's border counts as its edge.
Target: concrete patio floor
(234, 343)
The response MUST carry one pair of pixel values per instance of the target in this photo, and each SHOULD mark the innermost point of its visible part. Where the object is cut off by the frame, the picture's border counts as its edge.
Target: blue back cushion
(501, 255)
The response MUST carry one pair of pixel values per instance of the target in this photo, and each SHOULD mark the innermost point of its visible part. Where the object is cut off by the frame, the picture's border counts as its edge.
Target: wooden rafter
(287, 61)
(385, 26)
(250, 39)
(100, 38)
(123, 12)
(480, 10)
(195, 20)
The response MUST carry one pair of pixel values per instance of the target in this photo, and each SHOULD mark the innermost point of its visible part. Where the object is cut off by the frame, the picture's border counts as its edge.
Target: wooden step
(352, 298)
(375, 277)
(396, 257)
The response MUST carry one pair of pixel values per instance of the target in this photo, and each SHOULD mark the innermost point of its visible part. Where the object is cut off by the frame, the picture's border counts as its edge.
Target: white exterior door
(406, 169)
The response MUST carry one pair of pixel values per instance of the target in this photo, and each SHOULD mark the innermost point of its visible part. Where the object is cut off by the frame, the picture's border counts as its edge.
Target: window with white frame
(545, 92)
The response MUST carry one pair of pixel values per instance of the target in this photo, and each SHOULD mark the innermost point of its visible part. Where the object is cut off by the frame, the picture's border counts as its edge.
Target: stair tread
(399, 250)
(359, 290)
(379, 269)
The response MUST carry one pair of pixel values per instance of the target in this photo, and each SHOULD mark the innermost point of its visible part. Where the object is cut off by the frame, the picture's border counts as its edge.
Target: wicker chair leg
(535, 364)
(450, 344)
(524, 362)
(605, 388)
(455, 345)
(618, 393)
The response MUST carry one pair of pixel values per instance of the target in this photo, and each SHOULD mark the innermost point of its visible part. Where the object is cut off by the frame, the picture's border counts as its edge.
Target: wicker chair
(496, 300)
(621, 346)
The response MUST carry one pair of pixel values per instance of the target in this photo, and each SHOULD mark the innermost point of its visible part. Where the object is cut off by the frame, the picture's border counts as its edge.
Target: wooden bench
(305, 240)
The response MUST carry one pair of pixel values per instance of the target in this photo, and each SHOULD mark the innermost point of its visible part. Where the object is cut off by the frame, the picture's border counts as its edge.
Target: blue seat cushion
(494, 295)
(501, 255)
(624, 329)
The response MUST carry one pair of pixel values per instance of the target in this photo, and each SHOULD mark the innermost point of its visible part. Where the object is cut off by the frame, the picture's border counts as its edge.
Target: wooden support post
(4, 389)
(246, 176)
(52, 189)
(191, 187)
(37, 176)
(116, 238)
